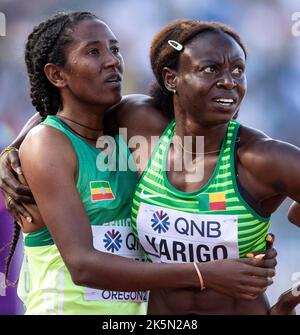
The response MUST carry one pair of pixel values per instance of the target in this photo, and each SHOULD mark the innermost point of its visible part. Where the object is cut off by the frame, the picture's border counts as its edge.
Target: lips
(225, 101)
(113, 78)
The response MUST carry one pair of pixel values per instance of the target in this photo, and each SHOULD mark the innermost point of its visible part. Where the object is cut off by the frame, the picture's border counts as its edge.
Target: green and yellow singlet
(45, 285)
(212, 223)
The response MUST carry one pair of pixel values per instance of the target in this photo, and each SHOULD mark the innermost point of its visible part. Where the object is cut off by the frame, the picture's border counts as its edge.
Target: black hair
(162, 55)
(12, 248)
(47, 44)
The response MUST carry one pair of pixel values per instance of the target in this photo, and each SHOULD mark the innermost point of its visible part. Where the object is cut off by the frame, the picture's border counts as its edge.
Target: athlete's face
(210, 78)
(94, 67)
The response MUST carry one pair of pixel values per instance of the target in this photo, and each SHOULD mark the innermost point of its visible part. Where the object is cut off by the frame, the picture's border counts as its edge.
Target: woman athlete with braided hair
(67, 231)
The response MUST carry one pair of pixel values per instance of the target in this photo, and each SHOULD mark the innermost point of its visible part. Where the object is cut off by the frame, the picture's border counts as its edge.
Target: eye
(93, 51)
(115, 50)
(238, 70)
(209, 69)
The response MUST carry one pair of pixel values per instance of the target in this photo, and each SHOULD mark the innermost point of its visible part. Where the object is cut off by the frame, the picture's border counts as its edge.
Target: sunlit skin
(93, 56)
(205, 74)
(93, 59)
(56, 170)
(211, 66)
(87, 86)
(49, 162)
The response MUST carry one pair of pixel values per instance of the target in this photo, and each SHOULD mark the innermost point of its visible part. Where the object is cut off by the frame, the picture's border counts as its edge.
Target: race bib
(121, 241)
(172, 236)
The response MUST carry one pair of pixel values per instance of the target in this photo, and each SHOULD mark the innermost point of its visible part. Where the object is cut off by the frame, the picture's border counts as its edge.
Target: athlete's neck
(213, 135)
(88, 123)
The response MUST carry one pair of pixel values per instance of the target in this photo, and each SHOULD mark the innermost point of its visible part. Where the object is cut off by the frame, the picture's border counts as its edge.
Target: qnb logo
(296, 25)
(2, 24)
(2, 285)
(112, 240)
(160, 222)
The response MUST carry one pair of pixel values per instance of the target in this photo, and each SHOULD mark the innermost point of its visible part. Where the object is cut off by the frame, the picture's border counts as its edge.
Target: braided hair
(46, 44)
(162, 55)
(12, 245)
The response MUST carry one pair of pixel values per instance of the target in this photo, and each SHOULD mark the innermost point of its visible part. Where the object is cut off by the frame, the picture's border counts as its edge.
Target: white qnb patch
(172, 236)
(119, 241)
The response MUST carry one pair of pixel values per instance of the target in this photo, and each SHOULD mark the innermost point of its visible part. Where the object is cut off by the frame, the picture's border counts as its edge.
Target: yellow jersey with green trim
(215, 222)
(45, 284)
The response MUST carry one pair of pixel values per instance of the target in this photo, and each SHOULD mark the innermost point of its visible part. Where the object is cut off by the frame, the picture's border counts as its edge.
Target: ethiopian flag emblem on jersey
(212, 202)
(101, 190)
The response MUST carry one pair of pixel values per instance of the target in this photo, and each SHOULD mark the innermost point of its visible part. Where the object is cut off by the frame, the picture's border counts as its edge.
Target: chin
(224, 116)
(218, 119)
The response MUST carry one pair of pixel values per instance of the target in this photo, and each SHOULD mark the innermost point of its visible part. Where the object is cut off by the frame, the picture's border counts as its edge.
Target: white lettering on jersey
(119, 241)
(171, 236)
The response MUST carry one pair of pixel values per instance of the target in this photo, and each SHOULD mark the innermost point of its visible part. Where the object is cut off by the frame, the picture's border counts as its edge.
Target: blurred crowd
(272, 103)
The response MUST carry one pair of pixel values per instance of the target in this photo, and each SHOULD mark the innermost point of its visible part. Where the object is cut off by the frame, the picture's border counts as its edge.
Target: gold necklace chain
(198, 153)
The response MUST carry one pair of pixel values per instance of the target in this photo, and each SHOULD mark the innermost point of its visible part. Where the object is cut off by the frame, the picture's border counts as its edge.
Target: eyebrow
(209, 60)
(97, 41)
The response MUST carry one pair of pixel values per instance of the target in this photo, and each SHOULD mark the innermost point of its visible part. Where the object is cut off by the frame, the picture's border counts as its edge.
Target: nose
(111, 60)
(226, 81)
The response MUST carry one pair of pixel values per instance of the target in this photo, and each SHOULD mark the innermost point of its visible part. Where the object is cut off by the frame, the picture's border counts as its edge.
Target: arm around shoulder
(49, 163)
(31, 123)
(137, 113)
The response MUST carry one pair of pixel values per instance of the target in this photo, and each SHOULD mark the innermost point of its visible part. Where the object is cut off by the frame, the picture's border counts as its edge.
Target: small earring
(174, 91)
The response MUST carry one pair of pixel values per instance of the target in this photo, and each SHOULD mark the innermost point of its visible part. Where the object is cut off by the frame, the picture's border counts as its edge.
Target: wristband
(199, 276)
(7, 149)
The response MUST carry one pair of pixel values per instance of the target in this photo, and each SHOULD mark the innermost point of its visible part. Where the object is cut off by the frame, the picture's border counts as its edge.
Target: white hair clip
(177, 46)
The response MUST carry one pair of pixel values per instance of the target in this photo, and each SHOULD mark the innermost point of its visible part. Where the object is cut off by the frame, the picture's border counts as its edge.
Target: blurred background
(272, 103)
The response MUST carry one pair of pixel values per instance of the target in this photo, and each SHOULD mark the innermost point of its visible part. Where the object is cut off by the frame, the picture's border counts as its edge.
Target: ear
(170, 79)
(55, 75)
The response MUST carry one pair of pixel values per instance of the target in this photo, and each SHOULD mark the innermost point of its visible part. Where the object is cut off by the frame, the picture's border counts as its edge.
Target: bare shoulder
(256, 144)
(251, 140)
(137, 113)
(264, 157)
(45, 143)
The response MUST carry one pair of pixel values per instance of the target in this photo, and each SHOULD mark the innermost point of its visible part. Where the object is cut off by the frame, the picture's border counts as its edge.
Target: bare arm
(144, 125)
(135, 113)
(287, 302)
(276, 165)
(50, 163)
(294, 214)
(10, 167)
(31, 123)
(10, 163)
